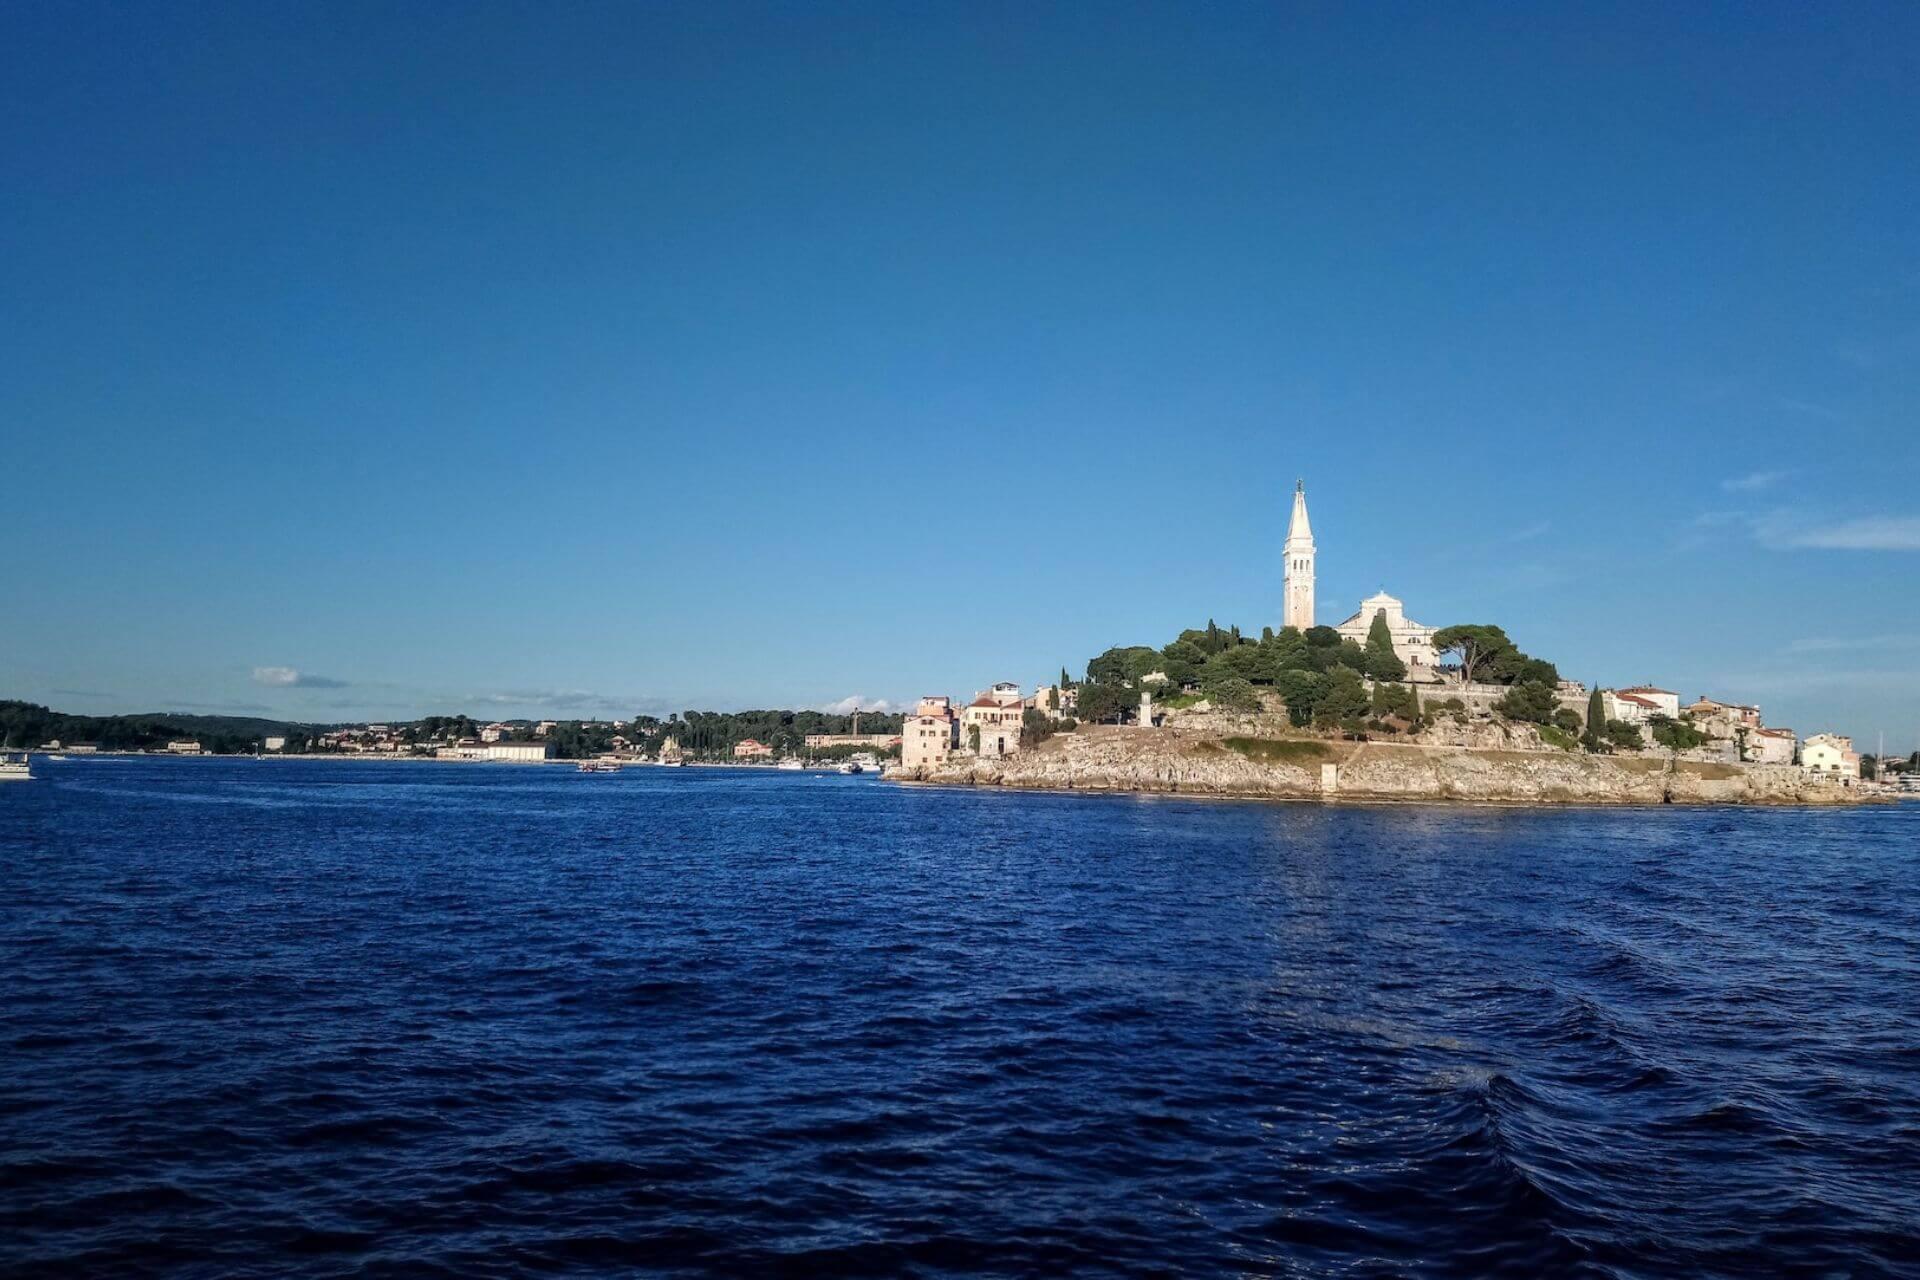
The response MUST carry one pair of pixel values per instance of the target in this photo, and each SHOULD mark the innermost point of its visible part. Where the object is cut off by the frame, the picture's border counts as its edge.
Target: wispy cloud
(1532, 531)
(82, 693)
(857, 702)
(292, 678)
(555, 700)
(1787, 529)
(1841, 644)
(1869, 533)
(1753, 481)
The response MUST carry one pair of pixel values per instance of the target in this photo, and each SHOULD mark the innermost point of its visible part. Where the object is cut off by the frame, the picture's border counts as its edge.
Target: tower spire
(1299, 562)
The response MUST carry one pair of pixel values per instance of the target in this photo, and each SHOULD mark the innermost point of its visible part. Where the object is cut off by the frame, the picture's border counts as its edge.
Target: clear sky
(371, 360)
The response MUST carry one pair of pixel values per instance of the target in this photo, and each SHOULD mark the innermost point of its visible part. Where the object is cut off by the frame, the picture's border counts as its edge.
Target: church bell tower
(1299, 608)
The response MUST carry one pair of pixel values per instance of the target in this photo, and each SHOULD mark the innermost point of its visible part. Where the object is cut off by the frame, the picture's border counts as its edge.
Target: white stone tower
(1299, 610)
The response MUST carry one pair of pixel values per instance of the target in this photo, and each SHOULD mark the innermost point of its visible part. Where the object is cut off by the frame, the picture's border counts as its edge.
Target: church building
(1412, 641)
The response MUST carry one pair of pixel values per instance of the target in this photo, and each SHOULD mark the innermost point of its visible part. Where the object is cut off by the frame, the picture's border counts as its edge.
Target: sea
(282, 1017)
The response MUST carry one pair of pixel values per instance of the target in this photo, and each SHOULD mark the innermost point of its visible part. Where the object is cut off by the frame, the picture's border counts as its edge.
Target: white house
(1665, 701)
(1830, 755)
(1627, 707)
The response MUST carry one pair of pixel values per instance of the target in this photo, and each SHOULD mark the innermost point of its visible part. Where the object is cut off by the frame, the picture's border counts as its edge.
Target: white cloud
(289, 678)
(857, 702)
(1871, 533)
(1753, 481)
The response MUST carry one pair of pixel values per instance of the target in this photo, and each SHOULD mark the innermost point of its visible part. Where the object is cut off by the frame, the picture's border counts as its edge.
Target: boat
(16, 767)
(675, 763)
(598, 766)
(790, 765)
(851, 766)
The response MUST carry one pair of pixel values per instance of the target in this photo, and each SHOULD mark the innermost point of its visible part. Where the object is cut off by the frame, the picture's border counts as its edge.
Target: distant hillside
(27, 724)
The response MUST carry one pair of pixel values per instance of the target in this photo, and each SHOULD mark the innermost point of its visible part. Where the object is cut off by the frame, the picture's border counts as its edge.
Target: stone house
(992, 728)
(930, 734)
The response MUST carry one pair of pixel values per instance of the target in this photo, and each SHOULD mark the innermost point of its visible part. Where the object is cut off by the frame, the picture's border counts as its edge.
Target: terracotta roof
(1775, 733)
(1647, 688)
(1635, 700)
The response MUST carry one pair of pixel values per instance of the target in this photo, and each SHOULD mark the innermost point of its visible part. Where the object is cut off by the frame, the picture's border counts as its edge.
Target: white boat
(791, 766)
(16, 767)
(675, 763)
(598, 766)
(851, 766)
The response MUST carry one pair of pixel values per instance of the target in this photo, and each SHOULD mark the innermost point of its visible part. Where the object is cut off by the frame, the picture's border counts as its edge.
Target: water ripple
(319, 1019)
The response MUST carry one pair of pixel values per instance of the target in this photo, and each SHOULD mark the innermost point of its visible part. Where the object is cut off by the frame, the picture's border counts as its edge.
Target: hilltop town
(1146, 718)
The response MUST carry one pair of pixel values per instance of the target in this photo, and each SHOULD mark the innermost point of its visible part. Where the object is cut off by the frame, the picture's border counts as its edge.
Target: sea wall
(1188, 762)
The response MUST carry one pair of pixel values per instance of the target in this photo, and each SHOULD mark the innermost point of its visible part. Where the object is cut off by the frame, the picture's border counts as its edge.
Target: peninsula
(1377, 707)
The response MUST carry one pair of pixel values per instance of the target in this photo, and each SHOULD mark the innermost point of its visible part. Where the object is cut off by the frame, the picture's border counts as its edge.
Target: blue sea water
(270, 1018)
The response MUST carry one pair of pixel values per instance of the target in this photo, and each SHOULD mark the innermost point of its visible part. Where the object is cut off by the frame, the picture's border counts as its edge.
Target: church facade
(1412, 641)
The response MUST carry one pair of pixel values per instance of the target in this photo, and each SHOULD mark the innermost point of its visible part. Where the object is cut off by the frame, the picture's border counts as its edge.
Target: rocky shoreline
(1207, 763)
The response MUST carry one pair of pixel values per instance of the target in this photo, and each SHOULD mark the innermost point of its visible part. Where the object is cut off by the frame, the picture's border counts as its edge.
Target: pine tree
(1596, 721)
(1413, 705)
(1382, 662)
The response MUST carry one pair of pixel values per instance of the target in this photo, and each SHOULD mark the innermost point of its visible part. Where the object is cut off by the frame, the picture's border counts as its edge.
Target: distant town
(1377, 675)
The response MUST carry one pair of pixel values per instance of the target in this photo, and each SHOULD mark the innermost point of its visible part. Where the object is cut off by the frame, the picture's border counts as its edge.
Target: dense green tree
(1623, 736)
(1300, 689)
(1533, 702)
(1391, 699)
(1232, 694)
(1322, 637)
(1105, 701)
(1381, 661)
(1595, 737)
(1344, 700)
(1675, 735)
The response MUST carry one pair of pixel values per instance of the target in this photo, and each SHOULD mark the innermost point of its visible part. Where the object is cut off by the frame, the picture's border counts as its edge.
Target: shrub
(1622, 735)
(1555, 736)
(1233, 694)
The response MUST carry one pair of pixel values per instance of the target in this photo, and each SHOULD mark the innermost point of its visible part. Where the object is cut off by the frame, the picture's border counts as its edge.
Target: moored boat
(16, 767)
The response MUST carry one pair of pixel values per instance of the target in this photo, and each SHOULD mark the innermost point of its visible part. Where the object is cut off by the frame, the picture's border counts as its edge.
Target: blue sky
(376, 360)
